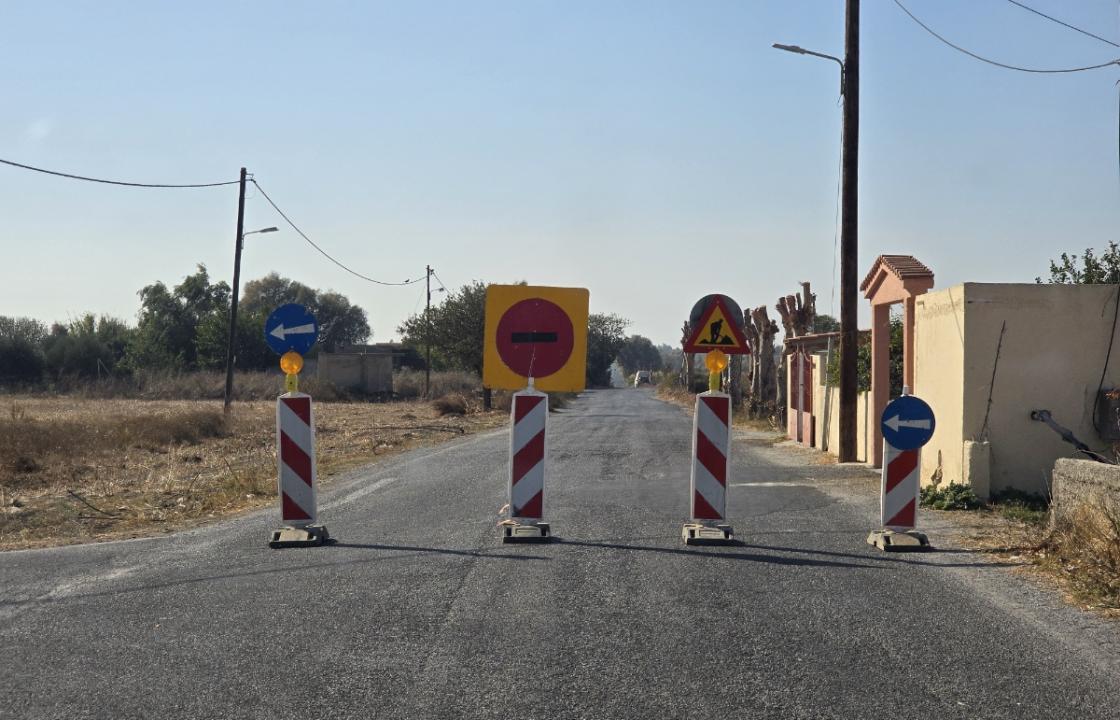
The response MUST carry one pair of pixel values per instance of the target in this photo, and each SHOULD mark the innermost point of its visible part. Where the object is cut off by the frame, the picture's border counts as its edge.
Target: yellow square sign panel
(538, 332)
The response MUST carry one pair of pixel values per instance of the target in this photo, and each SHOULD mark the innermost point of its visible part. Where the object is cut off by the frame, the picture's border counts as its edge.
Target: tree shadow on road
(870, 561)
(405, 551)
(719, 553)
(482, 553)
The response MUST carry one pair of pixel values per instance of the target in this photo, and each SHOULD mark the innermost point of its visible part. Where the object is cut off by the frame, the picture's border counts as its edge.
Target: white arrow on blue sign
(291, 327)
(908, 423)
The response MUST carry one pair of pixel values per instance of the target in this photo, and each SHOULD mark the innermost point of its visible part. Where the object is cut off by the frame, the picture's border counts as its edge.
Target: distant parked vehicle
(643, 376)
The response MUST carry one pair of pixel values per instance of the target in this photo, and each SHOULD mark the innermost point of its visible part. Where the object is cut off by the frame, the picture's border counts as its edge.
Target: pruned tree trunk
(761, 331)
(736, 366)
(798, 312)
(686, 366)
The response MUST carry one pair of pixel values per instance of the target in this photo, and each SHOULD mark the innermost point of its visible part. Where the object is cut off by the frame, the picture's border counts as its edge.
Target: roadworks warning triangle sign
(717, 330)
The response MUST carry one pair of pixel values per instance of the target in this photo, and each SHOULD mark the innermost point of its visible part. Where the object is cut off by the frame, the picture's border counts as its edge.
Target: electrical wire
(1060, 22)
(981, 58)
(115, 182)
(323, 252)
(439, 281)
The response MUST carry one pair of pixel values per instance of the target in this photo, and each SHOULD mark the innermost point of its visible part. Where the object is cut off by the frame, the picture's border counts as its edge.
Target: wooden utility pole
(849, 237)
(428, 333)
(237, 244)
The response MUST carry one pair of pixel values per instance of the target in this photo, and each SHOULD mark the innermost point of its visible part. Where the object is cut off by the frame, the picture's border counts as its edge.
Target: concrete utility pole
(849, 237)
(428, 333)
(238, 242)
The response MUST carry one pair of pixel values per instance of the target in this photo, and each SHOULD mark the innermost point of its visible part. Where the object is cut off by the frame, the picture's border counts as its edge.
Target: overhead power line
(323, 252)
(1063, 23)
(116, 182)
(981, 58)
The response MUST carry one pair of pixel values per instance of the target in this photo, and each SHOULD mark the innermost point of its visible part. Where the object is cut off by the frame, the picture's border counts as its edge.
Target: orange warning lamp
(716, 360)
(291, 363)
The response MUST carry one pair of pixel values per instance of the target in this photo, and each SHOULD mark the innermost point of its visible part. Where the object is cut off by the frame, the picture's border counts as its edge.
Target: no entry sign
(538, 332)
(535, 338)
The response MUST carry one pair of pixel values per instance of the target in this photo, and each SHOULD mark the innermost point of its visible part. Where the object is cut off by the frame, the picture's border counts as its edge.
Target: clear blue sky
(650, 151)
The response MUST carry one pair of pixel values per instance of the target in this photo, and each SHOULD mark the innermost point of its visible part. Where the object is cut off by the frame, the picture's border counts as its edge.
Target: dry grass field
(76, 469)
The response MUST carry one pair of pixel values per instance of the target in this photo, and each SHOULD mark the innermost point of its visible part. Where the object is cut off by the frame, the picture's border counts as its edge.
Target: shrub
(950, 497)
(1085, 549)
(33, 443)
(451, 405)
(1022, 506)
(409, 384)
(20, 361)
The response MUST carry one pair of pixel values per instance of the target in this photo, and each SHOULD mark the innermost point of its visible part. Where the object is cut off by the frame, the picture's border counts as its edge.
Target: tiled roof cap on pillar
(908, 277)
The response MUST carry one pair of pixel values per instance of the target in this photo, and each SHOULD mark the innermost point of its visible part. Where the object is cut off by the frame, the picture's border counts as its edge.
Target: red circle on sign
(535, 338)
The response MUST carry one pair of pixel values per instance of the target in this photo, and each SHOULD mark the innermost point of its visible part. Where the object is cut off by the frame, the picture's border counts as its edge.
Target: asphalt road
(420, 612)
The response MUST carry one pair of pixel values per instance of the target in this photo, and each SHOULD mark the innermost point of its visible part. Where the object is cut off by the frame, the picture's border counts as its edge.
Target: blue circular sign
(291, 327)
(907, 423)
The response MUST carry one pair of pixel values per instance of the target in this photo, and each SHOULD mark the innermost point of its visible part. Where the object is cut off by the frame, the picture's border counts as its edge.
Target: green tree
(340, 322)
(671, 357)
(863, 362)
(167, 331)
(250, 349)
(88, 347)
(1092, 270)
(606, 335)
(21, 354)
(825, 324)
(458, 326)
(638, 353)
(271, 291)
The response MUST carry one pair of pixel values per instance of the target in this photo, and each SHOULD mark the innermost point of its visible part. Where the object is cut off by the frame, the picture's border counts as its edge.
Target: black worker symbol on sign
(717, 332)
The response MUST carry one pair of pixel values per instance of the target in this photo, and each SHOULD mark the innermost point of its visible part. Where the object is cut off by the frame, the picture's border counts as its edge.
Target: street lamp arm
(802, 51)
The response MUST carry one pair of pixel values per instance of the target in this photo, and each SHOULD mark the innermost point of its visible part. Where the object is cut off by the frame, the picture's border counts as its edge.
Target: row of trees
(456, 331)
(181, 328)
(185, 327)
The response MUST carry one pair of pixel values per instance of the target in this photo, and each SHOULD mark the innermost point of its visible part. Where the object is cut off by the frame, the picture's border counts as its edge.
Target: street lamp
(849, 228)
(802, 51)
(236, 291)
(262, 230)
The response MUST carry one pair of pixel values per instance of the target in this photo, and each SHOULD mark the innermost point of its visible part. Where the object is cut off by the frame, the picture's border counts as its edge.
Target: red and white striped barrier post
(907, 424)
(528, 450)
(898, 500)
(295, 453)
(711, 460)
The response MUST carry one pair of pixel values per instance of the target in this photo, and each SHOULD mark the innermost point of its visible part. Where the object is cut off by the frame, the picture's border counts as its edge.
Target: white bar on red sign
(528, 450)
(295, 439)
(711, 456)
(901, 484)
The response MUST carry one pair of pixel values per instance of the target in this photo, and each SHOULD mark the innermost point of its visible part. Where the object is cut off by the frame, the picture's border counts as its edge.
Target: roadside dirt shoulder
(78, 470)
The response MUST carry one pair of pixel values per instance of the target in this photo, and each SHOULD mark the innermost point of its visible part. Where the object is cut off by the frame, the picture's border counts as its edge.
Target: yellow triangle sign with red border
(717, 331)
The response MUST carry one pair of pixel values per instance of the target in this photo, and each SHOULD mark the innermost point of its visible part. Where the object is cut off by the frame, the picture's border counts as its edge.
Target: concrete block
(891, 541)
(700, 534)
(976, 471)
(515, 532)
(309, 536)
(1083, 482)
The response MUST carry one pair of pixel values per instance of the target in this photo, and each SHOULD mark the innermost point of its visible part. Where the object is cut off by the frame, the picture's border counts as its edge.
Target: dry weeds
(1079, 557)
(74, 469)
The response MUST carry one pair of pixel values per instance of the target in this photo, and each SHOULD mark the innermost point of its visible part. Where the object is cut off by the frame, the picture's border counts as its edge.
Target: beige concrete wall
(1052, 354)
(372, 373)
(828, 426)
(939, 345)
